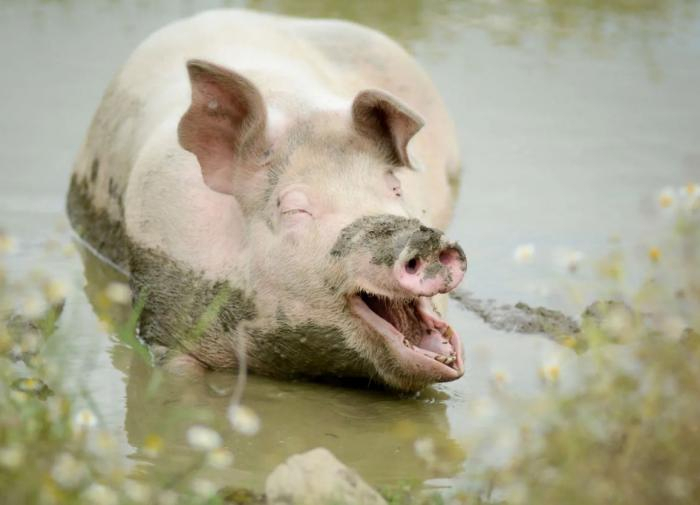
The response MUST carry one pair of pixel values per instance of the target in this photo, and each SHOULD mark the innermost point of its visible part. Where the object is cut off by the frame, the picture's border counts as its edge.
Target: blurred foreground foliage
(626, 430)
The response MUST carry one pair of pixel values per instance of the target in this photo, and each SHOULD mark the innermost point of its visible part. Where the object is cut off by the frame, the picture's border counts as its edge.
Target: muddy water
(571, 116)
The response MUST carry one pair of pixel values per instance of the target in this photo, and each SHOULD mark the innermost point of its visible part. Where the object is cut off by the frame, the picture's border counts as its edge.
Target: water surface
(571, 116)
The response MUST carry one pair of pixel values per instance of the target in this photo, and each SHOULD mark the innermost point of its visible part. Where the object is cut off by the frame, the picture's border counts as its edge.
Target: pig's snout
(429, 264)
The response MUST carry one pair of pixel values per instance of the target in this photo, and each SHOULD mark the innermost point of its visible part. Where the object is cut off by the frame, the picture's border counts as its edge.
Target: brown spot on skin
(183, 310)
(385, 237)
(306, 350)
(94, 225)
(94, 170)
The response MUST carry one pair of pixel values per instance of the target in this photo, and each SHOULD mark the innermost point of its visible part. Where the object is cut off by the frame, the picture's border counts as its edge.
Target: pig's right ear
(224, 124)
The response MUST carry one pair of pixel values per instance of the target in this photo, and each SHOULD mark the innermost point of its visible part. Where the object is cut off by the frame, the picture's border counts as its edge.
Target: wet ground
(571, 117)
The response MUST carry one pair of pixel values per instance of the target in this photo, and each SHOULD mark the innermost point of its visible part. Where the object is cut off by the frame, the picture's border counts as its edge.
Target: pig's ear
(384, 117)
(224, 124)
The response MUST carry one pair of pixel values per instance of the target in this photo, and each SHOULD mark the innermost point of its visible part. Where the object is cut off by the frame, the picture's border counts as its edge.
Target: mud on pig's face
(341, 274)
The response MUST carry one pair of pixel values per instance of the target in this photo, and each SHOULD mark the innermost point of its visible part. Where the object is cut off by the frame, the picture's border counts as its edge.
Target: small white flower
(33, 306)
(568, 259)
(167, 497)
(425, 450)
(98, 494)
(550, 370)
(220, 459)
(56, 291)
(243, 419)
(11, 457)
(104, 444)
(666, 199)
(203, 487)
(67, 471)
(483, 407)
(679, 487)
(30, 343)
(84, 419)
(524, 253)
(203, 438)
(691, 196)
(137, 492)
(8, 244)
(673, 327)
(118, 292)
(617, 322)
(500, 376)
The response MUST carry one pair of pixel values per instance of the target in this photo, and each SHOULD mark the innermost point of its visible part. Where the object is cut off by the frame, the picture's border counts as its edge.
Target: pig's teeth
(446, 360)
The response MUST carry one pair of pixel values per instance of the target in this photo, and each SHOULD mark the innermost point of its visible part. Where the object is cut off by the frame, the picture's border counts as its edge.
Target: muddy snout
(406, 258)
(429, 263)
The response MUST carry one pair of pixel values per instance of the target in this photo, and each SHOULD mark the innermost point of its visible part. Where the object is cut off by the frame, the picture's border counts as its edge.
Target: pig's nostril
(412, 266)
(449, 256)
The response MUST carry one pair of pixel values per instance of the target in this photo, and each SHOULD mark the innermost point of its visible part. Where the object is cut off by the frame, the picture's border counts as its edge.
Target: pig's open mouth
(417, 337)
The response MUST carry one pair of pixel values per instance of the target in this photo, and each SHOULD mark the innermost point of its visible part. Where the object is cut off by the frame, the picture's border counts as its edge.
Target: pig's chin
(424, 346)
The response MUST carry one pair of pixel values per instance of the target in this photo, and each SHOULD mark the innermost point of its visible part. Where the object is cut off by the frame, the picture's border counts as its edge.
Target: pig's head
(341, 274)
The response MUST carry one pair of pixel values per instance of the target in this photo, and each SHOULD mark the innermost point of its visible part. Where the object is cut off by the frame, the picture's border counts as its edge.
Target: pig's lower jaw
(424, 346)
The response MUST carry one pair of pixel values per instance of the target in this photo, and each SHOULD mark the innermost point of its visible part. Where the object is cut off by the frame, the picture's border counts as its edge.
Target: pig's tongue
(436, 342)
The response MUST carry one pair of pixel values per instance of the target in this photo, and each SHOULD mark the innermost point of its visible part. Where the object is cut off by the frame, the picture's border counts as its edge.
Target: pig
(274, 188)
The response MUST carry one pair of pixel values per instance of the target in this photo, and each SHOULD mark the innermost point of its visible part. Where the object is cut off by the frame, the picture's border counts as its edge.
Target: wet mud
(519, 318)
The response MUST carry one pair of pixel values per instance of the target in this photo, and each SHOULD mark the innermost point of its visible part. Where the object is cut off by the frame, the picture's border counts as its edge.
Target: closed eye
(296, 211)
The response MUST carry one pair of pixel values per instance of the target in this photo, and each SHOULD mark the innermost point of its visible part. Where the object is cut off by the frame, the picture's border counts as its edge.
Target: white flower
(118, 292)
(691, 196)
(8, 244)
(167, 497)
(483, 407)
(67, 471)
(203, 438)
(104, 444)
(84, 419)
(524, 253)
(30, 343)
(568, 259)
(220, 458)
(243, 419)
(100, 495)
(33, 306)
(425, 450)
(500, 376)
(203, 488)
(666, 199)
(152, 446)
(617, 322)
(137, 492)
(11, 457)
(551, 369)
(673, 327)
(56, 291)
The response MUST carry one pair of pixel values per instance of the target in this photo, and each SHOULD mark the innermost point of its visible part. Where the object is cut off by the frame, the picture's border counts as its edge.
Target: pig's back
(317, 63)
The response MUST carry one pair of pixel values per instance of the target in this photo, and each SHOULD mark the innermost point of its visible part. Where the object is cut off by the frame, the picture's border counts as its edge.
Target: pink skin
(413, 276)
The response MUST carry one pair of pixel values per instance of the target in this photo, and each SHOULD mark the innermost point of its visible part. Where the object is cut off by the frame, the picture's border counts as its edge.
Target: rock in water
(317, 477)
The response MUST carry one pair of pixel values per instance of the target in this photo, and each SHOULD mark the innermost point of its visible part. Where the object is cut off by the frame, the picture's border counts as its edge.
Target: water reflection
(597, 23)
(367, 429)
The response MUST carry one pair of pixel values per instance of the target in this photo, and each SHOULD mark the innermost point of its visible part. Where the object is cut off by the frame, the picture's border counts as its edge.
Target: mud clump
(521, 318)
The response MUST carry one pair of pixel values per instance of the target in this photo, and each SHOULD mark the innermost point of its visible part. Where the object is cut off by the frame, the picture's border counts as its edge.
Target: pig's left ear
(225, 124)
(383, 117)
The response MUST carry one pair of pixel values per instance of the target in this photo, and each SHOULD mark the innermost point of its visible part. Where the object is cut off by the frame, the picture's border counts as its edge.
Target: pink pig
(277, 185)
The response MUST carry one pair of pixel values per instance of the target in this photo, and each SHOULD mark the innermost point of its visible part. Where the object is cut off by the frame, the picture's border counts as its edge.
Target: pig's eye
(294, 207)
(393, 183)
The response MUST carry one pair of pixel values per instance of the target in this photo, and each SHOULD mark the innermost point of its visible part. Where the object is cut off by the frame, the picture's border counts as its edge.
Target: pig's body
(141, 199)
